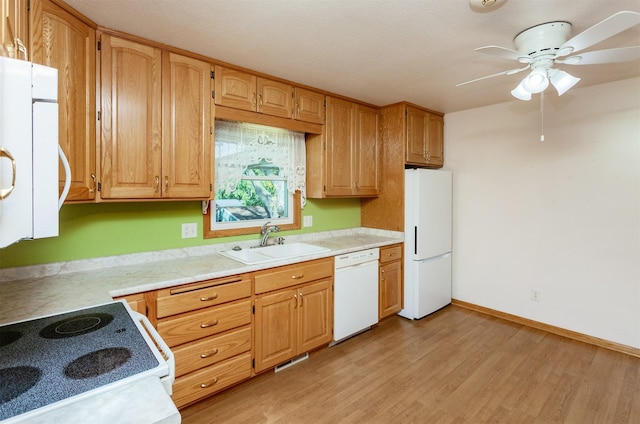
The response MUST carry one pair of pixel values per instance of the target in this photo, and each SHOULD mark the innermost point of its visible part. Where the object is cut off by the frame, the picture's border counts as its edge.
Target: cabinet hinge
(324, 146)
(99, 186)
(253, 309)
(146, 310)
(324, 188)
(213, 94)
(211, 189)
(28, 5)
(213, 74)
(99, 115)
(210, 130)
(99, 45)
(253, 363)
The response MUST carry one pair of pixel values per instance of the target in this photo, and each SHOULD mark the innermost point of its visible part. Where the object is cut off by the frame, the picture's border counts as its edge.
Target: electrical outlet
(190, 230)
(307, 221)
(535, 295)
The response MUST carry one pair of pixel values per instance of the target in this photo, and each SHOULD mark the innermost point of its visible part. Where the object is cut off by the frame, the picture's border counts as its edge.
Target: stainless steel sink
(265, 254)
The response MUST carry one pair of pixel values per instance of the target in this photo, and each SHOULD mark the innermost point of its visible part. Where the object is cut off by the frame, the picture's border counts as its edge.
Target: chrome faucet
(265, 231)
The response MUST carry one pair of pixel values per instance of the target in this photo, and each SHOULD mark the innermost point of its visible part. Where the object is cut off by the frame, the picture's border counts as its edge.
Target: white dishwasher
(355, 302)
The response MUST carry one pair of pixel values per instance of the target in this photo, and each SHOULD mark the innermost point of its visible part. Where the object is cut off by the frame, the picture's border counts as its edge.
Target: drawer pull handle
(209, 299)
(215, 322)
(205, 385)
(206, 355)
(297, 277)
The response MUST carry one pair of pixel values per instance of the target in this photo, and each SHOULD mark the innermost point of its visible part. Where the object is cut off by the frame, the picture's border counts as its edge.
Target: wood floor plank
(454, 366)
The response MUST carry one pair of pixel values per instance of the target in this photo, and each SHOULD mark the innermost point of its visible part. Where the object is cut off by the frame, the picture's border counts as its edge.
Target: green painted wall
(94, 230)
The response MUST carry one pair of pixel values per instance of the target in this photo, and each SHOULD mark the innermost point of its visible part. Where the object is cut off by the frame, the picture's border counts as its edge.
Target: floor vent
(292, 362)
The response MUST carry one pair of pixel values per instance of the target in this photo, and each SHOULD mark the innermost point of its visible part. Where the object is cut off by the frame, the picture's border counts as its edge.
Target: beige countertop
(35, 291)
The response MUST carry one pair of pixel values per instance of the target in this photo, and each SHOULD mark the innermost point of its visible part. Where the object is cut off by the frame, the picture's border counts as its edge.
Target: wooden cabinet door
(186, 127)
(274, 98)
(366, 161)
(275, 328)
(339, 137)
(309, 106)
(131, 120)
(417, 136)
(64, 42)
(435, 152)
(235, 89)
(315, 315)
(14, 29)
(390, 281)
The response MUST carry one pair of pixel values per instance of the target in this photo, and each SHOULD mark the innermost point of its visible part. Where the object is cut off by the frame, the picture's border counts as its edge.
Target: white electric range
(58, 361)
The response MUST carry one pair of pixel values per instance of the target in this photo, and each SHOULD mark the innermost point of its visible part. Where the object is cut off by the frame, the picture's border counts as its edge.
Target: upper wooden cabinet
(145, 153)
(14, 29)
(424, 142)
(344, 161)
(309, 106)
(411, 136)
(186, 127)
(63, 41)
(244, 91)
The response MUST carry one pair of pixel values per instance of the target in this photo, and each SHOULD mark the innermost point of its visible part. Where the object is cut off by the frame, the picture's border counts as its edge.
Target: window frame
(208, 233)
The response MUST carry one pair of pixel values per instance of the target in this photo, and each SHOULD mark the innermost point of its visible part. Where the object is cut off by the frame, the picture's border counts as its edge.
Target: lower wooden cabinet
(390, 281)
(208, 325)
(296, 319)
(206, 381)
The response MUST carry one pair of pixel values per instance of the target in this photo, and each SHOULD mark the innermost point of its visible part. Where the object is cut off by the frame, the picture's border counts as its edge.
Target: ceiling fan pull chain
(542, 116)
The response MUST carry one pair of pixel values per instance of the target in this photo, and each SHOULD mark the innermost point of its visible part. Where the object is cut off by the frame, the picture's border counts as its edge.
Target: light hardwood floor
(454, 366)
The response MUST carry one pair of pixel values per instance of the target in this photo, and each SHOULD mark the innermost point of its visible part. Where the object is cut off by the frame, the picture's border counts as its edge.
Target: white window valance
(239, 146)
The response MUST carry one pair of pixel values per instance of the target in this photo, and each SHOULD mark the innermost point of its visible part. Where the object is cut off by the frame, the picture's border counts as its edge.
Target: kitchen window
(259, 176)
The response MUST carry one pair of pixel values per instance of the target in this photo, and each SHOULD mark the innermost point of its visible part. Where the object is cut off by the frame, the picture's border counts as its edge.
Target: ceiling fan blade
(500, 52)
(609, 27)
(509, 72)
(621, 54)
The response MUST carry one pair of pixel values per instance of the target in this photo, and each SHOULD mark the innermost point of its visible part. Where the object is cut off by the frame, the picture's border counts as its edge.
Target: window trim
(208, 233)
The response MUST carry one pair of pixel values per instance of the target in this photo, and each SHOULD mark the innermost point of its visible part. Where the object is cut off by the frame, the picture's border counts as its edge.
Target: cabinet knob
(93, 188)
(210, 298)
(211, 324)
(206, 355)
(205, 385)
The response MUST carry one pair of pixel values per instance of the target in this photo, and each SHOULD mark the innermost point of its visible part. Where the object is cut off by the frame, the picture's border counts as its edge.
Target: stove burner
(17, 380)
(76, 326)
(9, 336)
(96, 363)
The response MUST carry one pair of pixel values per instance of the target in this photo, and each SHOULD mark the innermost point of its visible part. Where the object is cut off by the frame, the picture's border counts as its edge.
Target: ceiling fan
(542, 46)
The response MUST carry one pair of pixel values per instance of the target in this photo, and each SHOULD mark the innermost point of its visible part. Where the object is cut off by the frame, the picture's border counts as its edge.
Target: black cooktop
(56, 358)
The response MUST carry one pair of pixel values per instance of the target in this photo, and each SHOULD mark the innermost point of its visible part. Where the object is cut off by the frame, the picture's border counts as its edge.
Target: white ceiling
(376, 51)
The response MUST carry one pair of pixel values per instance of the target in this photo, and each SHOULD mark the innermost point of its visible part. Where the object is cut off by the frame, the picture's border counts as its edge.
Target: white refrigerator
(427, 259)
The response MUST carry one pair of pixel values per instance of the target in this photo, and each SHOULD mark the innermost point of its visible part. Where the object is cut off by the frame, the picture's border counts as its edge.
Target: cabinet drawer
(178, 330)
(208, 351)
(392, 253)
(291, 275)
(202, 295)
(194, 386)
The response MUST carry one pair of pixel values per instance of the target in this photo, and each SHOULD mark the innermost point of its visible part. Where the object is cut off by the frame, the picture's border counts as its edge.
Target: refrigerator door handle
(415, 240)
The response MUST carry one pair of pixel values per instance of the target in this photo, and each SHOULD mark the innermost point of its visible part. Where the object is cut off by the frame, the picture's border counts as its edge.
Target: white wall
(561, 216)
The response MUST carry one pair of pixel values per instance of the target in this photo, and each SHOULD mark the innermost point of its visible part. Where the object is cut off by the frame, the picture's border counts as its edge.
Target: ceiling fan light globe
(563, 81)
(521, 93)
(536, 81)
